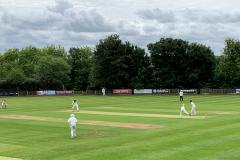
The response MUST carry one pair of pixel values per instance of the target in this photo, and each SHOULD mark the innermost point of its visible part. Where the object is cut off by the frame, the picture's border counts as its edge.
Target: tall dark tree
(168, 57)
(200, 65)
(118, 64)
(138, 66)
(80, 60)
(110, 69)
(178, 64)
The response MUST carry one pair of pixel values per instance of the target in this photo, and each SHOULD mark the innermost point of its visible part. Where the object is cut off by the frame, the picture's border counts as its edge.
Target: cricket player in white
(73, 125)
(183, 110)
(181, 95)
(4, 104)
(75, 106)
(103, 91)
(193, 110)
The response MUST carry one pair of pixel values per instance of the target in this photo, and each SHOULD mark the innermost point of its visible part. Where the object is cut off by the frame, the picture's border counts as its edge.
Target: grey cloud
(30, 21)
(189, 15)
(213, 17)
(158, 15)
(209, 27)
(18, 40)
(61, 6)
(45, 26)
(73, 27)
(77, 39)
(71, 23)
(128, 29)
(46, 19)
(150, 28)
(90, 21)
(208, 34)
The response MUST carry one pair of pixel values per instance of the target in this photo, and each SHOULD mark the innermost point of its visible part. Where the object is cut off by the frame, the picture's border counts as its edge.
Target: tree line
(113, 63)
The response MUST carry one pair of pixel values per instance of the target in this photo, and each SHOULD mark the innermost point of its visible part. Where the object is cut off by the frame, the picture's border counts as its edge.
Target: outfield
(120, 128)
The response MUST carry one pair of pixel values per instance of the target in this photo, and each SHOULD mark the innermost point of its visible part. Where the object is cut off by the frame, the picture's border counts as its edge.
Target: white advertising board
(142, 91)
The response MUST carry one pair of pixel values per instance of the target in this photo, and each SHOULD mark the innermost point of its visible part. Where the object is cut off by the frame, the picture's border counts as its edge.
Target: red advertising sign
(122, 91)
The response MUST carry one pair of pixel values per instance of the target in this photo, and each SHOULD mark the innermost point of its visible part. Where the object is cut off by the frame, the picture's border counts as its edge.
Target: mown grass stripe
(182, 139)
(9, 158)
(141, 142)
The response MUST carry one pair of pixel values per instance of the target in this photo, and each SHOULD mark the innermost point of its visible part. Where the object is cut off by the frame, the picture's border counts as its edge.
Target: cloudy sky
(75, 23)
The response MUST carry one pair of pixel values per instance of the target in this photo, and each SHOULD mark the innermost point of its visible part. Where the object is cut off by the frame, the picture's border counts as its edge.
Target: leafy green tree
(25, 59)
(13, 79)
(8, 62)
(2, 68)
(52, 50)
(52, 70)
(16, 76)
(227, 72)
(80, 60)
(28, 58)
(11, 55)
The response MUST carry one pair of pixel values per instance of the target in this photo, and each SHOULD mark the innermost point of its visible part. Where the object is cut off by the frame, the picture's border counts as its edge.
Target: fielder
(4, 104)
(75, 106)
(103, 91)
(181, 95)
(193, 110)
(73, 125)
(183, 110)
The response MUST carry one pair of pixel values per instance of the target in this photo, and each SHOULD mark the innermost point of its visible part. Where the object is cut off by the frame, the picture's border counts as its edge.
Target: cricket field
(121, 128)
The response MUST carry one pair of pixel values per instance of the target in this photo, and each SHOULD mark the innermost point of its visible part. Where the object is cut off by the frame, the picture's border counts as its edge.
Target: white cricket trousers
(73, 131)
(75, 108)
(193, 111)
(183, 111)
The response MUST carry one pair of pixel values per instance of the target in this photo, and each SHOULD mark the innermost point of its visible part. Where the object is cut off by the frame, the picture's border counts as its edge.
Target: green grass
(215, 138)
